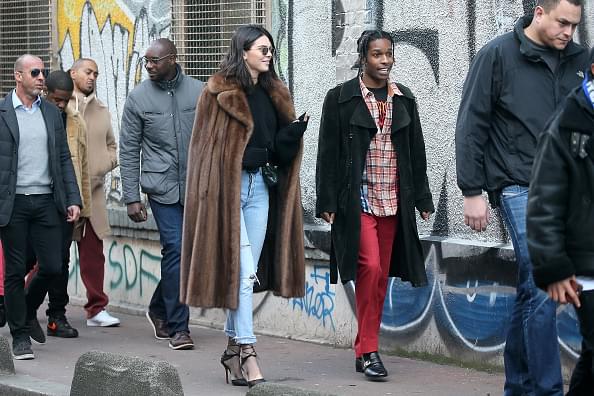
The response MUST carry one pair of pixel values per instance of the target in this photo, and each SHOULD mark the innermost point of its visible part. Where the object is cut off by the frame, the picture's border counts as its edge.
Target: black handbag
(270, 175)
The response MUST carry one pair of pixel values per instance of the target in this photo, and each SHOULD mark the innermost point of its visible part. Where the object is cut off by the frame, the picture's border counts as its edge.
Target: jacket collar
(526, 49)
(351, 89)
(232, 98)
(173, 84)
(7, 112)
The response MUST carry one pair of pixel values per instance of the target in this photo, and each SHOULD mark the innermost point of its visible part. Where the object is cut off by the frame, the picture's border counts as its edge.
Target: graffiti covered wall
(465, 310)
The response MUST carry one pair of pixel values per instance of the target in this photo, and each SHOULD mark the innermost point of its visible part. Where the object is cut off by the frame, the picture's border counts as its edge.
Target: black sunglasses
(265, 50)
(36, 72)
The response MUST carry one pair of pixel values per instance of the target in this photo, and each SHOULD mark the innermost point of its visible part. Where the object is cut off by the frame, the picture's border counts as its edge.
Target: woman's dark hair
(233, 64)
(363, 44)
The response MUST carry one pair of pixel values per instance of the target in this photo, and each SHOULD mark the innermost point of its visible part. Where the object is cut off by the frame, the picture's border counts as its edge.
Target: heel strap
(247, 351)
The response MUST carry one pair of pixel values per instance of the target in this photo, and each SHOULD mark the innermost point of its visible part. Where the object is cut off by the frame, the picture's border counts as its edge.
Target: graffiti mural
(131, 272)
(318, 301)
(115, 33)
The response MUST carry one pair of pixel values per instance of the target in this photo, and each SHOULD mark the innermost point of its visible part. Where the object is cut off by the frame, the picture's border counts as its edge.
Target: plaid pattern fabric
(379, 183)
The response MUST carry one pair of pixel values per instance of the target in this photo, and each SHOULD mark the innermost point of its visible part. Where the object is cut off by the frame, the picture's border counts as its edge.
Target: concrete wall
(465, 310)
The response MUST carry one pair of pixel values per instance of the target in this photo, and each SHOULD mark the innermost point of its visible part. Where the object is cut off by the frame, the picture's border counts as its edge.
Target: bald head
(164, 46)
(84, 74)
(25, 60)
(81, 62)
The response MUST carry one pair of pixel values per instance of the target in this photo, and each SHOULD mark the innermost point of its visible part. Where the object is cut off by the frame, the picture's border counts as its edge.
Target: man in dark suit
(37, 190)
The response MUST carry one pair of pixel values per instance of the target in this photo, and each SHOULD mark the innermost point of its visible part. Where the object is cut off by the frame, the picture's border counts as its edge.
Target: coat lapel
(7, 112)
(51, 137)
(400, 116)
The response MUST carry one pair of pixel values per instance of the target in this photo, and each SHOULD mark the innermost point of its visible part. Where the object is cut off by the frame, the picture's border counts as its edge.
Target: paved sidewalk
(284, 361)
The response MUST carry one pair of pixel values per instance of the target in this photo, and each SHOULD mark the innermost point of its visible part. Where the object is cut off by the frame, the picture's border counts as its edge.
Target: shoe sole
(37, 342)
(182, 347)
(25, 356)
(155, 328)
(95, 324)
(63, 335)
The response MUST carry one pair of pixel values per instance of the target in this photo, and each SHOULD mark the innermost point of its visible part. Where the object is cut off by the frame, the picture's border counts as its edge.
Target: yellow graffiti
(69, 18)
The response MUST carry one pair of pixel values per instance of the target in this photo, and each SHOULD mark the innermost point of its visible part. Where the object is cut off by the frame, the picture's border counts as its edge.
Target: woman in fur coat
(243, 218)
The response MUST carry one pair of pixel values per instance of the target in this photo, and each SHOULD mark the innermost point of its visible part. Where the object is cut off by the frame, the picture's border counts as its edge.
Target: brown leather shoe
(159, 326)
(181, 340)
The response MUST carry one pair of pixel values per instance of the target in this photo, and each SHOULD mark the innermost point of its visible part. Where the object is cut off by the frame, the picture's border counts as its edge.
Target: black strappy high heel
(248, 351)
(229, 354)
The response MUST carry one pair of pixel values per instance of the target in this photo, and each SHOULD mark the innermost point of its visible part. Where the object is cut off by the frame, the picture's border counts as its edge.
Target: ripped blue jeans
(254, 217)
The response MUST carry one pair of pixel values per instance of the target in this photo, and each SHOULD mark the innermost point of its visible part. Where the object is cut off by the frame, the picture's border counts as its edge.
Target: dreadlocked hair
(363, 44)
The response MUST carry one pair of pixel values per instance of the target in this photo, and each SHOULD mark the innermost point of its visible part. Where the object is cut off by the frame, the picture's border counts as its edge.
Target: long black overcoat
(346, 131)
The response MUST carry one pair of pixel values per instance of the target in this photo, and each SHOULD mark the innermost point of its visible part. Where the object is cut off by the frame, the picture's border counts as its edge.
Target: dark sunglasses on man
(36, 72)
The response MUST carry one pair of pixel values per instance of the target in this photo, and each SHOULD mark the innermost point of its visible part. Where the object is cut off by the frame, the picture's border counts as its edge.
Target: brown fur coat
(211, 231)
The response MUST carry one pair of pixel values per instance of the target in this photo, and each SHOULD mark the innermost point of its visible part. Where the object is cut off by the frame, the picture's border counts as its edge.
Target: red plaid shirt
(379, 184)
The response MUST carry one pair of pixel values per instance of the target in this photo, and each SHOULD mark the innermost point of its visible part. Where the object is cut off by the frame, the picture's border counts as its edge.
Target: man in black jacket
(514, 85)
(38, 190)
(560, 222)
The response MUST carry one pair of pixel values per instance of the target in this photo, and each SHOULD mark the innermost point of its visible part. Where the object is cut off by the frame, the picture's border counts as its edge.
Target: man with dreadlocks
(371, 174)
(514, 85)
(560, 221)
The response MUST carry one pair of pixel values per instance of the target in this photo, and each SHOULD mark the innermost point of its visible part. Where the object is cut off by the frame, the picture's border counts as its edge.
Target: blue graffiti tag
(320, 304)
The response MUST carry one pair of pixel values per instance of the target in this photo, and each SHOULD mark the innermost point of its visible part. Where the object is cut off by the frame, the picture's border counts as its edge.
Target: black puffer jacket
(560, 219)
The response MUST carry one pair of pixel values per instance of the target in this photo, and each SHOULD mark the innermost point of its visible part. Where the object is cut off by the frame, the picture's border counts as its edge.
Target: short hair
(365, 39)
(79, 62)
(549, 5)
(59, 79)
(169, 46)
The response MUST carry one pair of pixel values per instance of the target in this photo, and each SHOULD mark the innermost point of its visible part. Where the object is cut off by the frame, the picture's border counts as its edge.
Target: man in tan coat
(102, 159)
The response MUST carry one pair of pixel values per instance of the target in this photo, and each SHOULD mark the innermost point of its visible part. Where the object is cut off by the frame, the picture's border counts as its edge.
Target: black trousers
(35, 219)
(58, 290)
(582, 379)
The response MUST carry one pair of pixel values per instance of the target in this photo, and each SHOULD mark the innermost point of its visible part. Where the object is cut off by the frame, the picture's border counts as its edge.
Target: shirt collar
(392, 89)
(16, 102)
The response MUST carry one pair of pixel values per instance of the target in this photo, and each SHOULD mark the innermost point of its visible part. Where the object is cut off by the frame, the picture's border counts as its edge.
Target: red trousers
(375, 253)
(92, 270)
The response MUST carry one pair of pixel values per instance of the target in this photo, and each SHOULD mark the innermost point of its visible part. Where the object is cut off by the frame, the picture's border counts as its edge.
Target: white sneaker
(103, 319)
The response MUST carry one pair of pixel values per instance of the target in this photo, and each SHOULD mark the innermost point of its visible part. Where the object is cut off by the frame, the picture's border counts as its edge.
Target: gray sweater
(33, 176)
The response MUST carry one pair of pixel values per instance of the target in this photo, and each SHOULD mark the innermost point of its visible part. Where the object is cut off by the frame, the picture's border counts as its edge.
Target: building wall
(464, 311)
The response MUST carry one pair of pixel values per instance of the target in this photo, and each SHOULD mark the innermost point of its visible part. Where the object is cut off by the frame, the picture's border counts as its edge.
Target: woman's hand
(425, 215)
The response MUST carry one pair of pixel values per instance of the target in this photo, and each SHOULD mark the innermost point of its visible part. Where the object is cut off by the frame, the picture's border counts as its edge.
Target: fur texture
(211, 233)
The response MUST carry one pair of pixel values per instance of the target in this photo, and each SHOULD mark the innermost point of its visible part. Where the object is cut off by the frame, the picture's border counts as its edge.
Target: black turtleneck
(265, 127)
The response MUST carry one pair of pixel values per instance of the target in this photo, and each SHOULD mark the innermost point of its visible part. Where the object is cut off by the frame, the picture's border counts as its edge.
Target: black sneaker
(35, 331)
(21, 349)
(181, 340)
(59, 327)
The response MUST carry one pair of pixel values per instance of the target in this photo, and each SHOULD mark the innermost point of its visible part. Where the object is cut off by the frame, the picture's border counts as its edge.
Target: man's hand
(476, 212)
(72, 213)
(328, 217)
(565, 291)
(425, 215)
(137, 212)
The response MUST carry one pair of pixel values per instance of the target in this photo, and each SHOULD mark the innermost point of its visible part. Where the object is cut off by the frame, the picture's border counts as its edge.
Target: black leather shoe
(373, 367)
